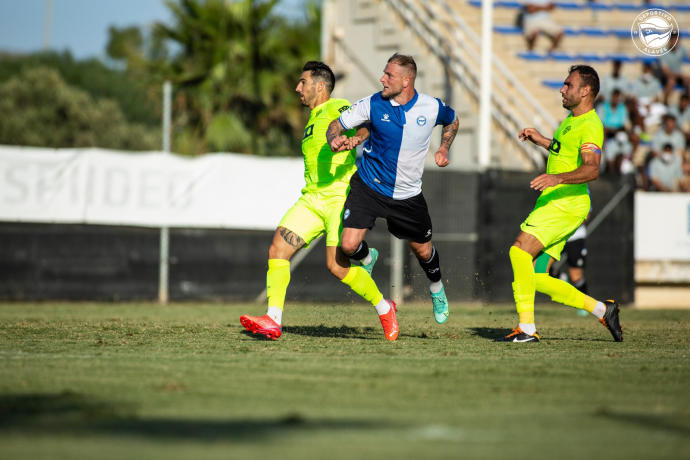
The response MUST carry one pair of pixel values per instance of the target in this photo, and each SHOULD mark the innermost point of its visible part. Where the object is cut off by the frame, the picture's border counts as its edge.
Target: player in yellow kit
(319, 209)
(574, 156)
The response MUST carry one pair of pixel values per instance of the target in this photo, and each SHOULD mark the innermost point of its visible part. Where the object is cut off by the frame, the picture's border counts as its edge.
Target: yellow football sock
(523, 284)
(559, 290)
(590, 303)
(563, 292)
(277, 280)
(363, 284)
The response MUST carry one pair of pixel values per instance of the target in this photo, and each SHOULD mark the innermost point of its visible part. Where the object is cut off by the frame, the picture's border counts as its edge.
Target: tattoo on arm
(449, 132)
(334, 130)
(291, 238)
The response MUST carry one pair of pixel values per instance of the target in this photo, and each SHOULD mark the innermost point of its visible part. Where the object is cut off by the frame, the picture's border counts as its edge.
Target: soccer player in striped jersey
(388, 183)
(574, 157)
(319, 209)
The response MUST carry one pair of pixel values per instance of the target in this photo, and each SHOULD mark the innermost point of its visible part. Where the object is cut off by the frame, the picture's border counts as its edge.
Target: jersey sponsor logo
(343, 108)
(308, 131)
(555, 146)
(385, 117)
(346, 214)
(565, 131)
(421, 120)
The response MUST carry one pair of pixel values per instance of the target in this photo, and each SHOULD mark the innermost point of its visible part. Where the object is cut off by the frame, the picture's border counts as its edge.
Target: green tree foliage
(235, 72)
(40, 109)
(234, 65)
(124, 43)
(136, 97)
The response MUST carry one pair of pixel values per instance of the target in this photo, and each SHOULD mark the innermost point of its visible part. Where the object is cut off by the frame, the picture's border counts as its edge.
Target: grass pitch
(184, 381)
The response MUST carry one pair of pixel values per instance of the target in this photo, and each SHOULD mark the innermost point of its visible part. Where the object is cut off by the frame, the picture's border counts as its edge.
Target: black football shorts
(407, 219)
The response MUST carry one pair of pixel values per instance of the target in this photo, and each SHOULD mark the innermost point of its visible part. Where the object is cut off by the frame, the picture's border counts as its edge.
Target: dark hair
(320, 71)
(667, 147)
(588, 75)
(616, 92)
(406, 61)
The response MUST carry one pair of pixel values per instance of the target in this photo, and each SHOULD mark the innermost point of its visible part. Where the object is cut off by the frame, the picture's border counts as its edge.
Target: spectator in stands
(617, 133)
(685, 182)
(671, 65)
(615, 81)
(666, 171)
(682, 114)
(648, 95)
(536, 20)
(669, 134)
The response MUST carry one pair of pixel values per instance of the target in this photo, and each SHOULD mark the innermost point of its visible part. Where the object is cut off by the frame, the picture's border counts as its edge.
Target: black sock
(432, 267)
(361, 251)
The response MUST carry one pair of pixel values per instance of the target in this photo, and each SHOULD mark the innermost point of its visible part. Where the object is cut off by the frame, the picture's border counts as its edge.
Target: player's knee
(349, 244)
(424, 253)
(277, 251)
(273, 251)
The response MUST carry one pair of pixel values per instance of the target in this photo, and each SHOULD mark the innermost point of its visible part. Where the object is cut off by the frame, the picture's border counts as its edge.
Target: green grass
(184, 381)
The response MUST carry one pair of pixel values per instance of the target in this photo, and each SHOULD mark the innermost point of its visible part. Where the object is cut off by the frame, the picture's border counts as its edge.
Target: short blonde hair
(406, 61)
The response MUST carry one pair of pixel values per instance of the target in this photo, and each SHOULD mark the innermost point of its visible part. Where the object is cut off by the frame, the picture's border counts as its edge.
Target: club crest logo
(653, 30)
(421, 120)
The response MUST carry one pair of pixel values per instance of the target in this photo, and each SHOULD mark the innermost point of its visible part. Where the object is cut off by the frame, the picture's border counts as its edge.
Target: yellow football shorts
(552, 226)
(315, 213)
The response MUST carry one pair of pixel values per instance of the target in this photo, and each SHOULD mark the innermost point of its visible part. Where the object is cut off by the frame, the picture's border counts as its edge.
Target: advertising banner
(662, 226)
(152, 189)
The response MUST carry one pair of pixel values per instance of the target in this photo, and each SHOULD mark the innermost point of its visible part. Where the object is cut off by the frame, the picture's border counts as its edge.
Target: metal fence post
(397, 263)
(164, 246)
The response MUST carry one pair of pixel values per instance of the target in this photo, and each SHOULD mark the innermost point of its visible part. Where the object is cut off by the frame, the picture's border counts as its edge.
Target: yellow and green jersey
(564, 156)
(323, 169)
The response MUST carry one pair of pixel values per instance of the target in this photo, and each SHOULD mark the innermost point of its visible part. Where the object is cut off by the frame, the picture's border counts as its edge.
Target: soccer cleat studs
(612, 321)
(262, 325)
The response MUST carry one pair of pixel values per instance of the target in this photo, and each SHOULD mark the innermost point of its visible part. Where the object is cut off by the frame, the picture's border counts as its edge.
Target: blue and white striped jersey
(393, 159)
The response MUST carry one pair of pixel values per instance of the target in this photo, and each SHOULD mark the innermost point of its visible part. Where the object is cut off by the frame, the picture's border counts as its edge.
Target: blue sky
(81, 26)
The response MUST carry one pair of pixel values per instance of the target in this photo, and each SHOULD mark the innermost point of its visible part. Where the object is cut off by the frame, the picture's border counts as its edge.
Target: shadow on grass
(256, 336)
(489, 333)
(676, 423)
(70, 413)
(346, 332)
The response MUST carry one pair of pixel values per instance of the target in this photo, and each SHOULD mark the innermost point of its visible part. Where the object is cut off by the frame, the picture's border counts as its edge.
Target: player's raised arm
(449, 132)
(586, 172)
(534, 136)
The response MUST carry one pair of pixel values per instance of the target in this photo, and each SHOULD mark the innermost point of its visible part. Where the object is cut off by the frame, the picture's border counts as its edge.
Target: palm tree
(235, 67)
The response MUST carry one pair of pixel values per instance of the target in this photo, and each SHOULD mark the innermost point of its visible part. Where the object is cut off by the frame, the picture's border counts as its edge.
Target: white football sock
(599, 310)
(436, 286)
(383, 307)
(528, 328)
(275, 313)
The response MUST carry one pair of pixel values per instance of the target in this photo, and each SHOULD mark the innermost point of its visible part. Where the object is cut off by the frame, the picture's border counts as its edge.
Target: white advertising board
(662, 226)
(151, 189)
